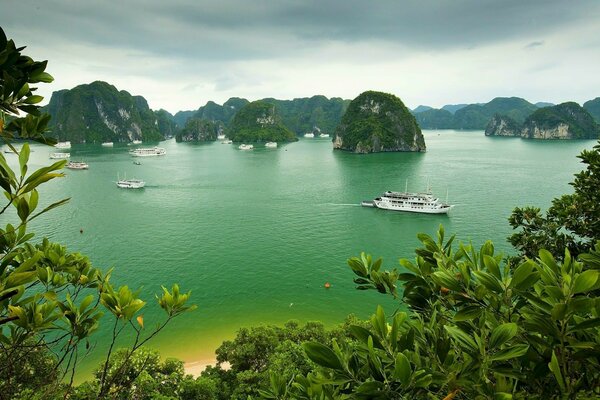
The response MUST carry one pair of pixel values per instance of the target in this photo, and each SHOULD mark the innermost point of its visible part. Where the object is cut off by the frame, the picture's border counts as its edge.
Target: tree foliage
(51, 300)
(477, 328)
(572, 221)
(259, 121)
(376, 121)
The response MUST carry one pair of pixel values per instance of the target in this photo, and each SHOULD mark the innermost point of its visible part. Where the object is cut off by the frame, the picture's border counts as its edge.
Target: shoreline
(196, 367)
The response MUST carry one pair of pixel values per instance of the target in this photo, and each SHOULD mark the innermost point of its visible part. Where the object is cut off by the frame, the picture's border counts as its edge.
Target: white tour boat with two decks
(148, 152)
(77, 165)
(425, 203)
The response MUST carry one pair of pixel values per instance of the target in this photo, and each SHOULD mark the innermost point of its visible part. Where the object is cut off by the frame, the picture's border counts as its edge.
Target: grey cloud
(261, 29)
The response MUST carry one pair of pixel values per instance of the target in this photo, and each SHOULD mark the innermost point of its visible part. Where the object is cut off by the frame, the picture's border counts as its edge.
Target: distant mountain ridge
(475, 116)
(98, 112)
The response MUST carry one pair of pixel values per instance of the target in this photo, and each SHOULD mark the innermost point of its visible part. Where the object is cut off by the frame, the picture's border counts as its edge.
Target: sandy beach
(195, 368)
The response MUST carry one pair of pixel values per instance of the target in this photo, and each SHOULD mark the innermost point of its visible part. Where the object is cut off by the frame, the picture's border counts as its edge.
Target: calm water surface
(256, 234)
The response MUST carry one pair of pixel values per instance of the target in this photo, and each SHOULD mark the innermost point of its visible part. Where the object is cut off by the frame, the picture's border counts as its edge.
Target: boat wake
(342, 204)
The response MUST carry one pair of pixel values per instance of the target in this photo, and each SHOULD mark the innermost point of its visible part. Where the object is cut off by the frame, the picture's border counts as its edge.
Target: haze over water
(256, 234)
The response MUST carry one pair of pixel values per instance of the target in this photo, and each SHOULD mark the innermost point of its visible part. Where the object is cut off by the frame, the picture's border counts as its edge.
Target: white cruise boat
(246, 147)
(136, 142)
(108, 144)
(148, 152)
(77, 165)
(309, 135)
(324, 135)
(425, 203)
(131, 183)
(271, 145)
(60, 156)
(63, 145)
(221, 137)
(227, 141)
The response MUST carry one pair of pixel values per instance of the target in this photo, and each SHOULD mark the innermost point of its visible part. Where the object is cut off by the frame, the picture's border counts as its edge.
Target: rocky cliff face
(378, 122)
(199, 130)
(564, 121)
(98, 112)
(502, 125)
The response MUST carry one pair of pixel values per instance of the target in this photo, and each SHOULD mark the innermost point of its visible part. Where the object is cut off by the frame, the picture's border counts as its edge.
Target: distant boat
(77, 165)
(148, 152)
(108, 144)
(228, 141)
(220, 137)
(137, 142)
(309, 135)
(271, 145)
(60, 156)
(324, 135)
(136, 162)
(246, 147)
(131, 183)
(63, 145)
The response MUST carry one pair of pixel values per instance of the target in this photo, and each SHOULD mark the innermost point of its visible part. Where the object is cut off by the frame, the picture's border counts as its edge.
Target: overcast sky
(179, 54)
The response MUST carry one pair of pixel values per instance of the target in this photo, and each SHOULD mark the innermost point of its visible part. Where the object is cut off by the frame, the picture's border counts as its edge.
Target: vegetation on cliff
(316, 114)
(502, 125)
(98, 112)
(564, 121)
(201, 130)
(259, 121)
(375, 122)
(593, 107)
(475, 116)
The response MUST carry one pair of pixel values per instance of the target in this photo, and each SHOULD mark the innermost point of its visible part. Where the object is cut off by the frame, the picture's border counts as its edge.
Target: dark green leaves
(322, 355)
(502, 334)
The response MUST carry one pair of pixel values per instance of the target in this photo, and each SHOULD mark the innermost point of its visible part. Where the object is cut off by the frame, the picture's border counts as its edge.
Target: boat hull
(387, 206)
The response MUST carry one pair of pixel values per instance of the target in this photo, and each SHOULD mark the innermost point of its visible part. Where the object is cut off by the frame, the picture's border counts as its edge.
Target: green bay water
(256, 234)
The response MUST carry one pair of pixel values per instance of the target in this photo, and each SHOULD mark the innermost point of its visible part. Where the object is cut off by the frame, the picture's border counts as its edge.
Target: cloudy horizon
(181, 54)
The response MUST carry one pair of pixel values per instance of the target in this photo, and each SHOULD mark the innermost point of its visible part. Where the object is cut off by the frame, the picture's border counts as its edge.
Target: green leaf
(502, 334)
(445, 279)
(548, 259)
(370, 389)
(402, 369)
(492, 266)
(467, 313)
(559, 311)
(322, 355)
(489, 281)
(34, 99)
(585, 281)
(23, 158)
(510, 352)
(587, 324)
(23, 209)
(524, 277)
(555, 368)
(462, 338)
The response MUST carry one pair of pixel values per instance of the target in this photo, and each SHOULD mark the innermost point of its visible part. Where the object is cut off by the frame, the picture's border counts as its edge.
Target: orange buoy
(327, 285)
